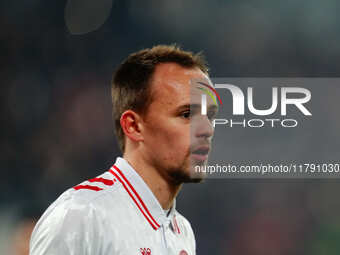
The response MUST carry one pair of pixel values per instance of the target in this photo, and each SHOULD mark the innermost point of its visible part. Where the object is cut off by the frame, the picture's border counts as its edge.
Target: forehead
(172, 80)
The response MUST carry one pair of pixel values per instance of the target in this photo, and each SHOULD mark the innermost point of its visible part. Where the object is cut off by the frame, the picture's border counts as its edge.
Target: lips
(201, 153)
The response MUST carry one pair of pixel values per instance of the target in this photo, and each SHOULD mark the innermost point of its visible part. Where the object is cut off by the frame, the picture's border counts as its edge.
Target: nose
(202, 127)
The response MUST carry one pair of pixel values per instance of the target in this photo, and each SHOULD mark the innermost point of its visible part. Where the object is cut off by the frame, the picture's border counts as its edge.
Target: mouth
(201, 153)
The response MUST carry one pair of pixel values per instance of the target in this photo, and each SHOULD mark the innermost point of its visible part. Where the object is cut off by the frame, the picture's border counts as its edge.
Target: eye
(186, 114)
(211, 114)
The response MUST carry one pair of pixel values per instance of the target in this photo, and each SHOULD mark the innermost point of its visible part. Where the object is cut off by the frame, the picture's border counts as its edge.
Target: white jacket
(113, 214)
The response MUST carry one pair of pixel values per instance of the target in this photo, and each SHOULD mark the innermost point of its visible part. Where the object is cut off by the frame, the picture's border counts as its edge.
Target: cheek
(179, 146)
(171, 142)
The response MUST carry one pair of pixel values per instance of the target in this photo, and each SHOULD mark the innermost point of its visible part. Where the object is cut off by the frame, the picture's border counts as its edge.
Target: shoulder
(77, 215)
(186, 229)
(88, 197)
(94, 188)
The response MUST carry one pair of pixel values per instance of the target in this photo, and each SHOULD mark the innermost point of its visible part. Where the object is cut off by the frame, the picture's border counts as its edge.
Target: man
(130, 209)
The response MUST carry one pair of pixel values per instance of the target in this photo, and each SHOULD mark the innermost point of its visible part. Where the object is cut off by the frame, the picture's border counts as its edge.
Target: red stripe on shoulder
(102, 180)
(95, 188)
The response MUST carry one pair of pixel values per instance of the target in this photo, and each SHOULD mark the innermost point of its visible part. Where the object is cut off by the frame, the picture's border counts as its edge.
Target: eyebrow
(213, 107)
(186, 106)
(197, 106)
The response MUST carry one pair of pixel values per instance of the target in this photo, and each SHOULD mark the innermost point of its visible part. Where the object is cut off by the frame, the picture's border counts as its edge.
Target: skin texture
(159, 145)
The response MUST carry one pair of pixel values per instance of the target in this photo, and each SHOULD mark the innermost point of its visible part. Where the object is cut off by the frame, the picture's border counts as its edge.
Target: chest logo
(145, 251)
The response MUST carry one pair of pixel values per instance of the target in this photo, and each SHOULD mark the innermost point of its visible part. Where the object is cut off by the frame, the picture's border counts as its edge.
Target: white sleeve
(69, 229)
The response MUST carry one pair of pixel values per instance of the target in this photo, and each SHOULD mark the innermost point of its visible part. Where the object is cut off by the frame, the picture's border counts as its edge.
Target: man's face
(176, 135)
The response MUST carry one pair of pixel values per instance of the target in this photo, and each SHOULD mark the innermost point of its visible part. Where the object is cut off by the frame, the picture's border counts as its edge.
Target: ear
(131, 122)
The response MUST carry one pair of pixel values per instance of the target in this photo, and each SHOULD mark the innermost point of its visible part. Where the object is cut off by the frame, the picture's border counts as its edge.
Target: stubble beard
(182, 173)
(185, 172)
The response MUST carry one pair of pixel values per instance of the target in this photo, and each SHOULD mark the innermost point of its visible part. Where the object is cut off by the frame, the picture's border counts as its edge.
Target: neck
(163, 190)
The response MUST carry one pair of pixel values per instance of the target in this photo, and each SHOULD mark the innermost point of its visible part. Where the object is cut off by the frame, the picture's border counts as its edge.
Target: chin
(187, 175)
(195, 175)
(195, 180)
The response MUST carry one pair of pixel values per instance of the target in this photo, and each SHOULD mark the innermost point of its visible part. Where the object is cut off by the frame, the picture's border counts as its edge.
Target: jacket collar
(141, 194)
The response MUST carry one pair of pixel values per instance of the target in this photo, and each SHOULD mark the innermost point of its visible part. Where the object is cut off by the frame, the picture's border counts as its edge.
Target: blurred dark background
(57, 59)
